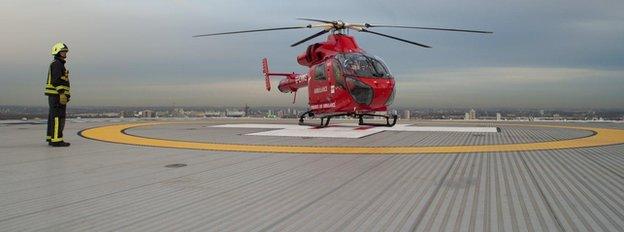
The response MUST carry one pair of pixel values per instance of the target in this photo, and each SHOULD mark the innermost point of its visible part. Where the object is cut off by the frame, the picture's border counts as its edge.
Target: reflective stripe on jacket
(58, 78)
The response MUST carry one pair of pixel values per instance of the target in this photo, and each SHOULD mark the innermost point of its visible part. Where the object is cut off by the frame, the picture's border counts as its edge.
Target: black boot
(59, 144)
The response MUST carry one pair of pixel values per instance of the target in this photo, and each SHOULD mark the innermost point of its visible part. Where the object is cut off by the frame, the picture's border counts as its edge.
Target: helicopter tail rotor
(265, 71)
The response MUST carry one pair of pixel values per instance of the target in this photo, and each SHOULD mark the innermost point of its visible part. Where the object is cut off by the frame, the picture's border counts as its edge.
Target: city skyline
(556, 54)
(33, 112)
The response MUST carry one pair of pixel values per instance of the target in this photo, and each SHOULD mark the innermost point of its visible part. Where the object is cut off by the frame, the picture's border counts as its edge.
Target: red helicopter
(342, 80)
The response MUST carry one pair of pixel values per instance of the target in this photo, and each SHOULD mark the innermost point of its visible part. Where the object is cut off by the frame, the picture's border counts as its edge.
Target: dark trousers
(56, 119)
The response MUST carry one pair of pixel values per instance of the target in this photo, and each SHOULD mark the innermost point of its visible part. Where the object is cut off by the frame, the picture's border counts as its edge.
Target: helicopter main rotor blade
(310, 37)
(318, 20)
(392, 37)
(256, 30)
(429, 28)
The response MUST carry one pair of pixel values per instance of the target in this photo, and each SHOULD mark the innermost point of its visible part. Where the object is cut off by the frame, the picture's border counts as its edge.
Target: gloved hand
(63, 99)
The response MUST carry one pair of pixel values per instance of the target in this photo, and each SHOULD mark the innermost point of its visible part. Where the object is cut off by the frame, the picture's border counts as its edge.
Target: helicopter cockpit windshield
(362, 65)
(353, 67)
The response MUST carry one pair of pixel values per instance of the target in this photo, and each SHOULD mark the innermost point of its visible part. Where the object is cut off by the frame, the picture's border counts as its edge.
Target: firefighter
(57, 90)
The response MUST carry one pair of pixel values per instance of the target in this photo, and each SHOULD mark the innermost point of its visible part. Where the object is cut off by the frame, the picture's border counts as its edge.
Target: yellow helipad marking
(114, 134)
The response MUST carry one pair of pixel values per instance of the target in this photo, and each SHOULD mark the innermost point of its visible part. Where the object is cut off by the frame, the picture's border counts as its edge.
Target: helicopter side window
(319, 73)
(340, 80)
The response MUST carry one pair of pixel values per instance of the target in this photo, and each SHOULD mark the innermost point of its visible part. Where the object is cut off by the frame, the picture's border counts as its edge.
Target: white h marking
(347, 130)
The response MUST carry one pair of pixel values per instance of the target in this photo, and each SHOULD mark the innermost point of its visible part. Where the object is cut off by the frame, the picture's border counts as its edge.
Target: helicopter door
(319, 89)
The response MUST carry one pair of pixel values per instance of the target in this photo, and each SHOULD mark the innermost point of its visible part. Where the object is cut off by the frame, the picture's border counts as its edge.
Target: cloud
(513, 87)
(510, 75)
(225, 93)
(134, 48)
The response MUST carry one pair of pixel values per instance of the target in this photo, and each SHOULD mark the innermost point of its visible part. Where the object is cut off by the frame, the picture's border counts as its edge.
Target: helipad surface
(103, 186)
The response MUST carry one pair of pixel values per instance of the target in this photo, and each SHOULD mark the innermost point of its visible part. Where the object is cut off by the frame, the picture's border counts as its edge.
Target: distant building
(160, 114)
(466, 116)
(197, 114)
(406, 114)
(234, 113)
(110, 115)
(146, 114)
(212, 114)
(473, 114)
(179, 112)
(556, 117)
(498, 117)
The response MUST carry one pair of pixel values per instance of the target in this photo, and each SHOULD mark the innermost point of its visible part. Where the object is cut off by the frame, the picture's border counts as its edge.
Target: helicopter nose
(376, 83)
(382, 90)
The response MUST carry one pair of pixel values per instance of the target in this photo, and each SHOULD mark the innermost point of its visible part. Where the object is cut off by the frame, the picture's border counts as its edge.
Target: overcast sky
(543, 54)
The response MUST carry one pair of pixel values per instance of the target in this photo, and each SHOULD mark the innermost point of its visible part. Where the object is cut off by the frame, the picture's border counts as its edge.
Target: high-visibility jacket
(58, 79)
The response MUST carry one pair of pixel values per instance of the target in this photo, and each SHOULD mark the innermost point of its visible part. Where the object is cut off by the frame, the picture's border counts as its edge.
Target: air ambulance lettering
(323, 106)
(320, 89)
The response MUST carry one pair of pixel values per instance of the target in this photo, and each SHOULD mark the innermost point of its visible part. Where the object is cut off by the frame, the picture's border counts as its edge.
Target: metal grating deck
(96, 186)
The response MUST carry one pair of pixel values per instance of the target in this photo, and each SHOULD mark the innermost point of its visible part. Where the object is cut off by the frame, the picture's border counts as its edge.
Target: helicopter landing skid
(388, 124)
(325, 120)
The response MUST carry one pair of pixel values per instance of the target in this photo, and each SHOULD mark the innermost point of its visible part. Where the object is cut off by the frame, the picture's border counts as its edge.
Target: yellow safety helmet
(59, 47)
